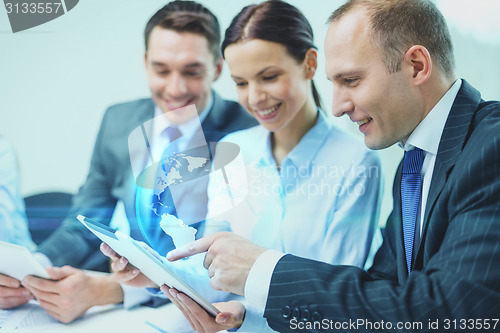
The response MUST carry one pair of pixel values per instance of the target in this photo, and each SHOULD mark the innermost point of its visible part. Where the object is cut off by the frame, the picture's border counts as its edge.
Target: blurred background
(57, 79)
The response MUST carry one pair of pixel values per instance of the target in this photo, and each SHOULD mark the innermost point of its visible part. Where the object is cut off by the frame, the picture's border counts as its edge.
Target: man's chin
(180, 116)
(374, 144)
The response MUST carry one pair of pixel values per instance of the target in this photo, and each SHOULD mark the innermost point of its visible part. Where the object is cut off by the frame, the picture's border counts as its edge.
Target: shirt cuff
(259, 278)
(254, 321)
(133, 296)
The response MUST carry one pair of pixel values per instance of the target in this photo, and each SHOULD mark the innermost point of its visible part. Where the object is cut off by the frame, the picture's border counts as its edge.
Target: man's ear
(311, 63)
(146, 59)
(419, 63)
(218, 68)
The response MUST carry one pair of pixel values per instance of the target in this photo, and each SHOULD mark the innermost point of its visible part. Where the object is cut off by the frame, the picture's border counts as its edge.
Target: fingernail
(26, 293)
(222, 319)
(135, 271)
(169, 256)
(14, 284)
(172, 292)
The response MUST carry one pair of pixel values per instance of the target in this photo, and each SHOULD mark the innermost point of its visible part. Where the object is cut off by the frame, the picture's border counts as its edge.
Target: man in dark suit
(182, 61)
(392, 68)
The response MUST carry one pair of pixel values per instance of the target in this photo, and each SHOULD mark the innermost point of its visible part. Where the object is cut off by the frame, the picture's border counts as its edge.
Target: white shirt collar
(427, 134)
(188, 128)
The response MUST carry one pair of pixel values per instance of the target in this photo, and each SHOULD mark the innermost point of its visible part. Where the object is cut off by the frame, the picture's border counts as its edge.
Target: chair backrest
(45, 212)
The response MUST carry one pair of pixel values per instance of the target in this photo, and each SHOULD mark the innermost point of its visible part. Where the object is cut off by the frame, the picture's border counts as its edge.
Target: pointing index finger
(198, 246)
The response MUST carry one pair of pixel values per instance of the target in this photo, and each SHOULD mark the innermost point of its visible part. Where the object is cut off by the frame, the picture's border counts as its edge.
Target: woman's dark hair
(274, 21)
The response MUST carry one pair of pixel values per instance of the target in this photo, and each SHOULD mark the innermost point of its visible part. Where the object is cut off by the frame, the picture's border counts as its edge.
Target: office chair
(45, 212)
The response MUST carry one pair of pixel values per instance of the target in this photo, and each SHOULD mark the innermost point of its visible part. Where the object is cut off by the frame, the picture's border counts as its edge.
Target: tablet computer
(147, 263)
(17, 262)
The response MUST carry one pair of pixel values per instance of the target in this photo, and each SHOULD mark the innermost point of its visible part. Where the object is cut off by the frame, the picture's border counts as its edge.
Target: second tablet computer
(148, 264)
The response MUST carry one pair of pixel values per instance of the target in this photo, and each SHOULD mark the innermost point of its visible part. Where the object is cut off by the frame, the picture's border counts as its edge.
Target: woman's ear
(418, 61)
(311, 63)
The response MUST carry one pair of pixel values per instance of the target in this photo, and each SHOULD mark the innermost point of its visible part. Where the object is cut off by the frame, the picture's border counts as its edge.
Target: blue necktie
(163, 203)
(411, 191)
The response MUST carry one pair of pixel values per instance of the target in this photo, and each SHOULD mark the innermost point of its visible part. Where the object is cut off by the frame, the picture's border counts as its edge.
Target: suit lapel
(216, 117)
(453, 140)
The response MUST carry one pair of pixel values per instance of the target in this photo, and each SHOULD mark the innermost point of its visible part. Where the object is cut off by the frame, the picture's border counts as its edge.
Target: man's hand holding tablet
(12, 294)
(124, 272)
(16, 262)
(150, 265)
(128, 274)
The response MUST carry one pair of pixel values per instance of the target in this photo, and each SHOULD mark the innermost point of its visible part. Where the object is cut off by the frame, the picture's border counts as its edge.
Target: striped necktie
(411, 192)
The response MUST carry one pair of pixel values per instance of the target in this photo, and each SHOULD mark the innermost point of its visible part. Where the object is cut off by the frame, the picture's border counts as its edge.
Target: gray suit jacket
(456, 274)
(110, 178)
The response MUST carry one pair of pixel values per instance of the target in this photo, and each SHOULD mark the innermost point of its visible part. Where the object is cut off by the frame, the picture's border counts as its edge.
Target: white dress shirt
(159, 140)
(256, 291)
(433, 123)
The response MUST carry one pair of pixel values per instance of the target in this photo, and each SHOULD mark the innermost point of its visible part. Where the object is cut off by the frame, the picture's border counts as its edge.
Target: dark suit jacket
(110, 178)
(456, 271)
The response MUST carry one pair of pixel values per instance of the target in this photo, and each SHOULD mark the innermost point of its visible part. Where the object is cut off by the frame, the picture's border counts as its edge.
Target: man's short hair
(187, 16)
(399, 24)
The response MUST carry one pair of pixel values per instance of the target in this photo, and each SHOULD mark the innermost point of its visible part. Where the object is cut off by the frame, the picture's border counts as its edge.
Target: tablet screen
(148, 264)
